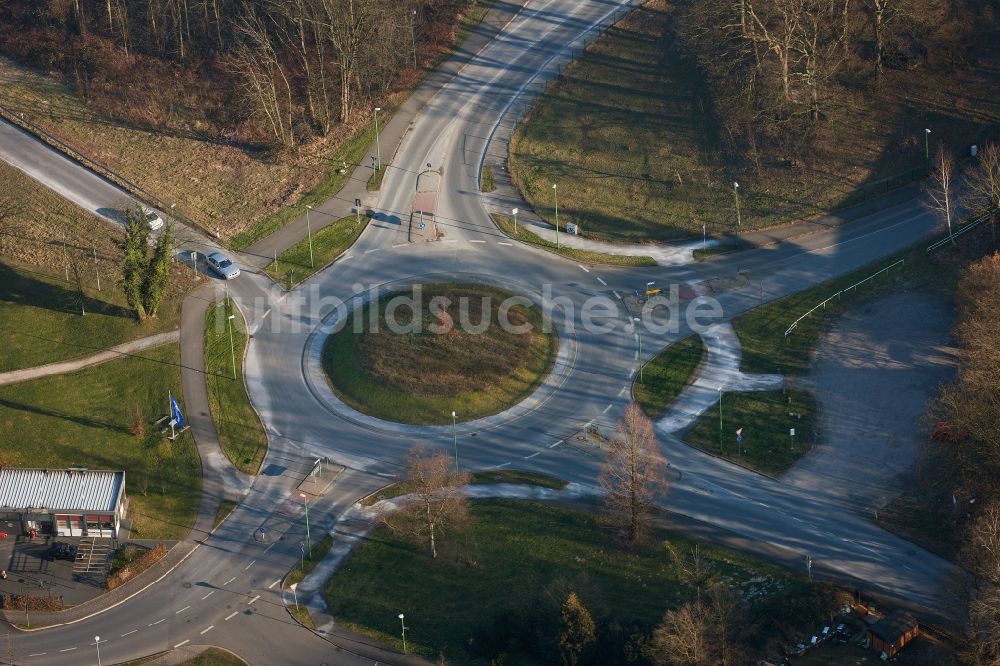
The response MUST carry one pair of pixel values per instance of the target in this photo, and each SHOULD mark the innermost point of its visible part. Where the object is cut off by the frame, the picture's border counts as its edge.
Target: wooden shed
(891, 633)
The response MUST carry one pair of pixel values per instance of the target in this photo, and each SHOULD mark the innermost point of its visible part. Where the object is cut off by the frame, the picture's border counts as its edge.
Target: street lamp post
(402, 625)
(514, 213)
(638, 335)
(232, 344)
(555, 196)
(927, 144)
(302, 557)
(378, 148)
(413, 36)
(305, 501)
(736, 193)
(454, 434)
(720, 421)
(309, 233)
(97, 642)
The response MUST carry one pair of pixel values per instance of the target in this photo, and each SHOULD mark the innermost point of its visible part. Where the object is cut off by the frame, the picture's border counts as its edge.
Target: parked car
(61, 550)
(151, 217)
(222, 265)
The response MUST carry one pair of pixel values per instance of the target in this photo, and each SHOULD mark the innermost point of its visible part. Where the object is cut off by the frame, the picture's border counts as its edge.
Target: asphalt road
(225, 592)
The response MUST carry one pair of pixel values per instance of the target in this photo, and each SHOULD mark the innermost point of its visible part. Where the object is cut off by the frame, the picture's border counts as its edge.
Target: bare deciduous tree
(634, 474)
(941, 189)
(982, 187)
(681, 638)
(982, 552)
(438, 500)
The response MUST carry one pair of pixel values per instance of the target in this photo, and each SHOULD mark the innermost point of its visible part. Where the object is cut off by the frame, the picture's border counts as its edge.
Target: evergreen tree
(577, 634)
(158, 272)
(135, 262)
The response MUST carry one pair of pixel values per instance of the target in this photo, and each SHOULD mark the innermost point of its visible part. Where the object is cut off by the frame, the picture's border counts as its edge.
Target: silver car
(221, 264)
(151, 217)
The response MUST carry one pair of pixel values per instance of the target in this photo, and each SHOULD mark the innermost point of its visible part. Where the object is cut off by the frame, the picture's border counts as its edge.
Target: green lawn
(83, 419)
(240, 432)
(374, 183)
(315, 555)
(293, 266)
(664, 377)
(214, 657)
(41, 321)
(496, 585)
(506, 225)
(479, 479)
(766, 417)
(422, 377)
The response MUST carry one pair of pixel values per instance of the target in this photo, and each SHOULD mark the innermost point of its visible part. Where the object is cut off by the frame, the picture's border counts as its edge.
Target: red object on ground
(32, 533)
(3, 535)
(946, 432)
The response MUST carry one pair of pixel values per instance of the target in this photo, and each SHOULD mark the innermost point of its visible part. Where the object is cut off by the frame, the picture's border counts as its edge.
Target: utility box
(573, 229)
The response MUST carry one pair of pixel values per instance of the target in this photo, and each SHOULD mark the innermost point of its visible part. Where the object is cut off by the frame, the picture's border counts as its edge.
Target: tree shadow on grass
(79, 420)
(23, 287)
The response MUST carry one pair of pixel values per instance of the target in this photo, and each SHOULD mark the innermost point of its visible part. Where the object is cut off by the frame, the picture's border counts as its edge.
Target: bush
(18, 601)
(133, 567)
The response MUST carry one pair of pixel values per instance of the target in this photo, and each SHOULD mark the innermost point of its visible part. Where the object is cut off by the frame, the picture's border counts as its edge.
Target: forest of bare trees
(275, 72)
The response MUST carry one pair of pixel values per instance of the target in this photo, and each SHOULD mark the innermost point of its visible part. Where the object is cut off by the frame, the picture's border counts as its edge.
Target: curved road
(225, 593)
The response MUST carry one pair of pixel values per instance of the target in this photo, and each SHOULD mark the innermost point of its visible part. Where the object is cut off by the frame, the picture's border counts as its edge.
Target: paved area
(872, 376)
(109, 354)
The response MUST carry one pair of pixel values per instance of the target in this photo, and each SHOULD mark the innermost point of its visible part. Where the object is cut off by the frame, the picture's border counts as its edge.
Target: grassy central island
(472, 349)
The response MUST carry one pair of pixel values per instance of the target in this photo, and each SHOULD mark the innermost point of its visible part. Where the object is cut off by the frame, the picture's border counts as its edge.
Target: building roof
(894, 626)
(60, 489)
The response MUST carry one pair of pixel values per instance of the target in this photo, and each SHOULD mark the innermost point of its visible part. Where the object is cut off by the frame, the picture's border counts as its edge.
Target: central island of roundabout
(415, 354)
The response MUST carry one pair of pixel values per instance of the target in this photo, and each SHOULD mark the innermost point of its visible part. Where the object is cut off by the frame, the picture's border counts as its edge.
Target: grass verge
(665, 376)
(484, 478)
(312, 558)
(701, 254)
(422, 376)
(84, 419)
(225, 508)
(501, 580)
(214, 657)
(488, 184)
(374, 182)
(293, 265)
(241, 434)
(506, 225)
(766, 418)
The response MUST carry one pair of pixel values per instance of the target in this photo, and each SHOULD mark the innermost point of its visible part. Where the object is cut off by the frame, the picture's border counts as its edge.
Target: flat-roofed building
(62, 502)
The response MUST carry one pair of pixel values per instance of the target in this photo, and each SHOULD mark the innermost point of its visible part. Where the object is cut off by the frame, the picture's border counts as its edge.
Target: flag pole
(170, 410)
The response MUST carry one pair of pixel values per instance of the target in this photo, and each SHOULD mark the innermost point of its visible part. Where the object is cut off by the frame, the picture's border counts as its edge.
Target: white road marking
(231, 615)
(605, 410)
(374, 249)
(249, 565)
(346, 257)
(635, 357)
(617, 295)
(269, 546)
(38, 654)
(622, 392)
(552, 446)
(477, 241)
(507, 244)
(158, 621)
(68, 649)
(273, 584)
(502, 465)
(585, 269)
(181, 610)
(398, 245)
(207, 629)
(602, 282)
(182, 643)
(532, 455)
(129, 633)
(253, 600)
(449, 240)
(230, 580)
(208, 595)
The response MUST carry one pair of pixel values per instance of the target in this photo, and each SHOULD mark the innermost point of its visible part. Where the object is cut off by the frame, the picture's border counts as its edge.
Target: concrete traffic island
(440, 353)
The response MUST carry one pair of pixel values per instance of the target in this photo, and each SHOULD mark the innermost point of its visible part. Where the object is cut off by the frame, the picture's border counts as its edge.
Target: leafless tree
(634, 474)
(982, 187)
(437, 500)
(941, 188)
(681, 638)
(982, 553)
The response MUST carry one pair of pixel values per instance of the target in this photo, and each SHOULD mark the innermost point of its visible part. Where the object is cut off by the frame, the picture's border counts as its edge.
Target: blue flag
(175, 411)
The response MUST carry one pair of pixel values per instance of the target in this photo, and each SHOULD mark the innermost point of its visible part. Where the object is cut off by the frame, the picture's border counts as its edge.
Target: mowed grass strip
(83, 419)
(665, 376)
(504, 576)
(485, 478)
(522, 234)
(241, 434)
(420, 377)
(293, 265)
(766, 418)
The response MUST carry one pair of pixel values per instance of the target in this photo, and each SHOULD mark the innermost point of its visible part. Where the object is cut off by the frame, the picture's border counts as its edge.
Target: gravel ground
(872, 375)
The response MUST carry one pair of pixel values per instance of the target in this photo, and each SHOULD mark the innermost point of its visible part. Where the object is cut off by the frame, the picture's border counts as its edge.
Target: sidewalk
(124, 349)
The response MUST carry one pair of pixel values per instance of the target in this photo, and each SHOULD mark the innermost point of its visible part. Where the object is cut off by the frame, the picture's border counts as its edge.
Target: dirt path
(875, 370)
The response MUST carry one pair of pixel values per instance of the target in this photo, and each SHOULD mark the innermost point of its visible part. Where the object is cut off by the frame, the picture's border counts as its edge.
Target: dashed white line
(231, 615)
(584, 268)
(507, 244)
(374, 249)
(207, 629)
(605, 410)
(502, 465)
(552, 446)
(249, 565)
(269, 546)
(68, 649)
(181, 610)
(129, 633)
(162, 619)
(38, 654)
(602, 282)
(622, 392)
(182, 643)
(398, 245)
(253, 600)
(617, 295)
(532, 455)
(208, 595)
(346, 257)
(273, 584)
(230, 580)
(477, 241)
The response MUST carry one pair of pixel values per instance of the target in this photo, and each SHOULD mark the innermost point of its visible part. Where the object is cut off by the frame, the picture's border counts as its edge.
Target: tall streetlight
(305, 501)
(927, 144)
(232, 345)
(413, 36)
(378, 148)
(555, 196)
(514, 213)
(638, 335)
(312, 264)
(454, 434)
(402, 625)
(736, 193)
(720, 421)
(97, 642)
